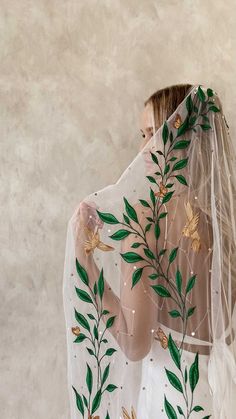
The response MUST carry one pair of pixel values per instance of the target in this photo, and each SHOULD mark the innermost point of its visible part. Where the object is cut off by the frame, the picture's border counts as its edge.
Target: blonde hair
(165, 101)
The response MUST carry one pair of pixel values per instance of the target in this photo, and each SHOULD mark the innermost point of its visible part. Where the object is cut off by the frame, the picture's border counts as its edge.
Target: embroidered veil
(149, 283)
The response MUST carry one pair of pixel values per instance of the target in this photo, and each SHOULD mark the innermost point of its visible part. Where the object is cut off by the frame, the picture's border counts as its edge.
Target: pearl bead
(124, 283)
(109, 230)
(195, 197)
(152, 330)
(133, 311)
(193, 333)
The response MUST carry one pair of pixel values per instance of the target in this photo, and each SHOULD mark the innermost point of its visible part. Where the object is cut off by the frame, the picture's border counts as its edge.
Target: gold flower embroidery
(178, 121)
(76, 330)
(93, 417)
(162, 338)
(190, 228)
(126, 414)
(94, 241)
(162, 190)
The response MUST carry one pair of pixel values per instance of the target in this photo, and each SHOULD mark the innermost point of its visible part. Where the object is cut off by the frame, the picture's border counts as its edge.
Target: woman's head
(159, 107)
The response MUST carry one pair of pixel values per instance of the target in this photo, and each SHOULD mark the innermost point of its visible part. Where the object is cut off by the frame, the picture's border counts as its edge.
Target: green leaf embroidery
(180, 164)
(161, 290)
(82, 320)
(131, 257)
(181, 179)
(89, 379)
(174, 380)
(194, 373)
(170, 411)
(130, 211)
(79, 401)
(83, 295)
(165, 133)
(120, 234)
(201, 94)
(101, 284)
(107, 217)
(82, 273)
(136, 276)
(181, 144)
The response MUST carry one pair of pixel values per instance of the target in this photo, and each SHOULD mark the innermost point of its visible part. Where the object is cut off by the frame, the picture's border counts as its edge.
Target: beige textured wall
(73, 78)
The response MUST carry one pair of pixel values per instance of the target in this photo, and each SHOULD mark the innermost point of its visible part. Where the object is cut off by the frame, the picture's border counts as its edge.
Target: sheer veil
(151, 260)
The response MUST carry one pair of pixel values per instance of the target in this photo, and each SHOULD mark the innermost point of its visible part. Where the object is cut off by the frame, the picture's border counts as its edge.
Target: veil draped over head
(151, 263)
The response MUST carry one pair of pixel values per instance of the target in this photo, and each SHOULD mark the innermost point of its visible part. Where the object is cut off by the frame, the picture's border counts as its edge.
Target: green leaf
(95, 288)
(136, 276)
(190, 311)
(95, 332)
(120, 234)
(110, 351)
(167, 168)
(205, 118)
(89, 379)
(169, 185)
(173, 254)
(197, 408)
(174, 380)
(178, 278)
(107, 416)
(157, 230)
(185, 375)
(90, 351)
(105, 374)
(107, 217)
(105, 312)
(161, 290)
(174, 351)
(201, 94)
(130, 211)
(180, 410)
(170, 411)
(154, 158)
(205, 127)
(189, 103)
(180, 164)
(83, 295)
(174, 313)
(214, 109)
(210, 92)
(80, 338)
(162, 215)
(181, 179)
(149, 253)
(96, 401)
(127, 221)
(181, 144)
(165, 133)
(153, 276)
(171, 136)
(173, 158)
(144, 203)
(131, 257)
(110, 321)
(136, 244)
(85, 400)
(192, 120)
(111, 387)
(101, 284)
(152, 179)
(82, 320)
(194, 373)
(190, 283)
(183, 127)
(82, 273)
(147, 228)
(152, 196)
(162, 251)
(167, 197)
(79, 402)
(91, 316)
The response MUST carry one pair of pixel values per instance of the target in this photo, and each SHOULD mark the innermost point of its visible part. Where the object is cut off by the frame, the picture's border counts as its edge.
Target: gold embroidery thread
(190, 228)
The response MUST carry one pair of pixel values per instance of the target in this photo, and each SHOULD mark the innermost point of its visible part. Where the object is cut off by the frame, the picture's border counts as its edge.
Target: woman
(153, 260)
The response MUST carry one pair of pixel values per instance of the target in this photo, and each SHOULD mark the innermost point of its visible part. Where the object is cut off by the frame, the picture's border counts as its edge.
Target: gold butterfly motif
(162, 190)
(94, 241)
(178, 121)
(126, 414)
(161, 337)
(190, 228)
(76, 330)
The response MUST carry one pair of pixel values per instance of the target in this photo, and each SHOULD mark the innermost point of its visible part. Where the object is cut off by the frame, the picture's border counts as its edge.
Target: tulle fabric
(143, 358)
